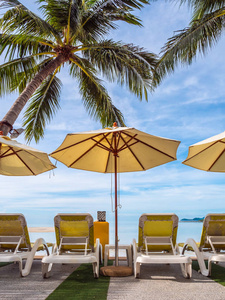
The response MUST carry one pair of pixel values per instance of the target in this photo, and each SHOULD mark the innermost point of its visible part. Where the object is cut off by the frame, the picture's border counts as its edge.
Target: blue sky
(188, 106)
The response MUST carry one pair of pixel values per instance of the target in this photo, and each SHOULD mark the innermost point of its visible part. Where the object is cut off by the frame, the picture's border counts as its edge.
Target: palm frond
(126, 17)
(61, 13)
(204, 6)
(21, 19)
(93, 23)
(125, 4)
(101, 15)
(9, 74)
(23, 78)
(184, 46)
(95, 97)
(126, 64)
(9, 3)
(42, 107)
(22, 45)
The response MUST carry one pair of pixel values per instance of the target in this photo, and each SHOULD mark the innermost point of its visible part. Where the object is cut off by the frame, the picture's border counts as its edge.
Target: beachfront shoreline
(41, 229)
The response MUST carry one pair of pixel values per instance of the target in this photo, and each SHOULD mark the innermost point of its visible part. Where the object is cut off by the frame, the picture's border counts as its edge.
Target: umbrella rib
(107, 163)
(118, 140)
(123, 147)
(110, 145)
(67, 147)
(187, 159)
(7, 155)
(150, 146)
(133, 153)
(3, 154)
(216, 159)
(103, 146)
(96, 144)
(23, 160)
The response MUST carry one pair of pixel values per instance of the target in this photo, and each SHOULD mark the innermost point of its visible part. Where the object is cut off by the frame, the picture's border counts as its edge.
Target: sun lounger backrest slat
(14, 225)
(213, 225)
(153, 225)
(74, 225)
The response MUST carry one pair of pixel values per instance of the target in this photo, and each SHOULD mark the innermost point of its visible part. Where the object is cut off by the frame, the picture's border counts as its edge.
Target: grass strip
(218, 272)
(82, 285)
(2, 264)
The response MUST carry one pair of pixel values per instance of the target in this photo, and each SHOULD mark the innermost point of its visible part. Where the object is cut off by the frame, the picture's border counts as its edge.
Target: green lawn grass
(218, 272)
(81, 285)
(2, 264)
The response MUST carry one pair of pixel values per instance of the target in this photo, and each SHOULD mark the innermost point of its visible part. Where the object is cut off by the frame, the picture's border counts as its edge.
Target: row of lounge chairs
(75, 243)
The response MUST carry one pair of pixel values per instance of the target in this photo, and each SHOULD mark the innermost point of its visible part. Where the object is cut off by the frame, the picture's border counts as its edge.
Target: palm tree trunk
(11, 116)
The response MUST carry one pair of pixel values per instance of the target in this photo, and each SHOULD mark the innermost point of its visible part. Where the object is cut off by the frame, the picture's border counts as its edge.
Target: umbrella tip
(115, 125)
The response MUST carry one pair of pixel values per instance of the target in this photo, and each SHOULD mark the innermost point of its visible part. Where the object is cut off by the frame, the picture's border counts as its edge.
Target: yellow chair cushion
(13, 227)
(215, 228)
(158, 228)
(76, 229)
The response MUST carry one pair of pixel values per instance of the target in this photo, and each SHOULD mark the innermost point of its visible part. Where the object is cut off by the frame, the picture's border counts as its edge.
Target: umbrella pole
(116, 217)
(116, 212)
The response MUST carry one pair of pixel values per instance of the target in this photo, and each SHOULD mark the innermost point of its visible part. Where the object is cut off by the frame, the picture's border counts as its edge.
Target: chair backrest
(68, 226)
(213, 226)
(157, 227)
(13, 227)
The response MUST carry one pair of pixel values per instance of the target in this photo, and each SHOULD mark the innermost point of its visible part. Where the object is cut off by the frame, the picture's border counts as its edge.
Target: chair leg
(137, 270)
(46, 270)
(106, 256)
(209, 267)
(186, 270)
(129, 256)
(96, 270)
(20, 266)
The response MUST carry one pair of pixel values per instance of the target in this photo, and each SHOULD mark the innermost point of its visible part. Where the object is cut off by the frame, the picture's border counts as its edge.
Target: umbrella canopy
(208, 155)
(20, 160)
(95, 150)
(113, 150)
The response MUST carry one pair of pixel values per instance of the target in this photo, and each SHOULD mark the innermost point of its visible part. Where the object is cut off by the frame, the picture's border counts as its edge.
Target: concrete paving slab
(163, 282)
(33, 286)
(158, 282)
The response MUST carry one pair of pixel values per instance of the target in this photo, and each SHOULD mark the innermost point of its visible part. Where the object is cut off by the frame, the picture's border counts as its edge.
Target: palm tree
(205, 29)
(72, 33)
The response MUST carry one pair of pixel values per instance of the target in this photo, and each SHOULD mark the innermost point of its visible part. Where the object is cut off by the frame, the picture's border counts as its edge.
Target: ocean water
(189, 230)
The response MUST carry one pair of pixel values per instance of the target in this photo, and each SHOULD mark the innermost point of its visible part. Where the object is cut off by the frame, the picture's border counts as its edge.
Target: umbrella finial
(115, 125)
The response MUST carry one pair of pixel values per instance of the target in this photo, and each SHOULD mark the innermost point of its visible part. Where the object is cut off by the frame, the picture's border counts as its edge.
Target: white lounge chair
(157, 243)
(15, 245)
(212, 245)
(74, 243)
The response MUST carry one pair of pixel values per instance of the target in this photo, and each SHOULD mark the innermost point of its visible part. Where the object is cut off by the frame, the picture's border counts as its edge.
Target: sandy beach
(41, 229)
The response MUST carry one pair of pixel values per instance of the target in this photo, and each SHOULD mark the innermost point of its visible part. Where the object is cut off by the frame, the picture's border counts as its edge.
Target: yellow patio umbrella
(208, 155)
(115, 150)
(20, 160)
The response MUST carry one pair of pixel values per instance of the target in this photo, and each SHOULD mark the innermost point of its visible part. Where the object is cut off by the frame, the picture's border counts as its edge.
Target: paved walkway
(158, 282)
(33, 286)
(163, 282)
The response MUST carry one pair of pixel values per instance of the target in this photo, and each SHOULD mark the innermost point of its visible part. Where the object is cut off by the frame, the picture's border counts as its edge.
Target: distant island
(192, 220)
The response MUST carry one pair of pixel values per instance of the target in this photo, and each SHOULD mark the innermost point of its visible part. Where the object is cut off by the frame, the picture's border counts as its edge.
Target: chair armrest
(134, 250)
(98, 249)
(200, 257)
(30, 258)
